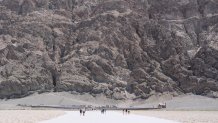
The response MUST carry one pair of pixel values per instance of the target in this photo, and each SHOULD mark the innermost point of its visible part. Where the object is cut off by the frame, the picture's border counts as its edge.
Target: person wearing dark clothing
(84, 113)
(102, 111)
(80, 111)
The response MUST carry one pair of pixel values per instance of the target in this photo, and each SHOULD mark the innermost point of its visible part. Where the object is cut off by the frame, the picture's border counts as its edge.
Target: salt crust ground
(53, 116)
(109, 117)
(27, 116)
(183, 116)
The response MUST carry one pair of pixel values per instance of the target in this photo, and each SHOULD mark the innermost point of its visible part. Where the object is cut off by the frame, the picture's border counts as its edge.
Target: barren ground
(183, 116)
(27, 116)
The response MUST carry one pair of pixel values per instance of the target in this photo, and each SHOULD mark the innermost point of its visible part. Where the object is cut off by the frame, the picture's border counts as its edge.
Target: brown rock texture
(120, 48)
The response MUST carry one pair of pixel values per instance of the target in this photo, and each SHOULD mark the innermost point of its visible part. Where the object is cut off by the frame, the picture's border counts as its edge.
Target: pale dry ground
(183, 116)
(61, 98)
(188, 102)
(109, 117)
(182, 102)
(27, 116)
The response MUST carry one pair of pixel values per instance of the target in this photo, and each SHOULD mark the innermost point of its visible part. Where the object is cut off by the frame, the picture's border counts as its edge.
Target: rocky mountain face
(120, 48)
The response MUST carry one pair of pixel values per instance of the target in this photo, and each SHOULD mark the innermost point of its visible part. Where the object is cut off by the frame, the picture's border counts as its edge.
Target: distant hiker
(84, 113)
(128, 112)
(80, 112)
(102, 111)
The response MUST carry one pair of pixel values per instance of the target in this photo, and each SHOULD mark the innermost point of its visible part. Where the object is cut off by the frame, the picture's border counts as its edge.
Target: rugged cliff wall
(115, 47)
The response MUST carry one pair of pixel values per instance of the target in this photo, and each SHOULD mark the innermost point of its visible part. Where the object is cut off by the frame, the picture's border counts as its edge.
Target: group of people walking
(103, 111)
(126, 111)
(82, 112)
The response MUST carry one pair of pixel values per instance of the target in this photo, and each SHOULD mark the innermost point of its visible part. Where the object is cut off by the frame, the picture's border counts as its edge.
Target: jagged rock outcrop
(120, 48)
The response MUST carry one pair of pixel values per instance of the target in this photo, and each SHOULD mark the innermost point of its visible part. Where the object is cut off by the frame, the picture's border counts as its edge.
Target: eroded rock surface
(121, 48)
